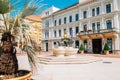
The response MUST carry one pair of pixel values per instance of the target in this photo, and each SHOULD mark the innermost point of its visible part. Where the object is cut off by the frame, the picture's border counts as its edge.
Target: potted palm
(106, 49)
(81, 49)
(15, 26)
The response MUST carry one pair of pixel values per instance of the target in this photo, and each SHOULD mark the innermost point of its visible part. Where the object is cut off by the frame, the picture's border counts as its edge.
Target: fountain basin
(70, 51)
(60, 51)
(64, 51)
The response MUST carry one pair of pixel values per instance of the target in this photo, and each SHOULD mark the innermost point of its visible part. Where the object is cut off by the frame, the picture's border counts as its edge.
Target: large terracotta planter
(60, 51)
(70, 51)
(26, 76)
(106, 52)
(81, 51)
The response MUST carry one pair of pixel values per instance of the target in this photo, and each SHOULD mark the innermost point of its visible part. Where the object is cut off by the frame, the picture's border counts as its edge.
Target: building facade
(90, 22)
(35, 28)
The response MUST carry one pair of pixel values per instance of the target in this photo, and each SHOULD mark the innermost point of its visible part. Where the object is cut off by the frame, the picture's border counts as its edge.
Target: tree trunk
(8, 59)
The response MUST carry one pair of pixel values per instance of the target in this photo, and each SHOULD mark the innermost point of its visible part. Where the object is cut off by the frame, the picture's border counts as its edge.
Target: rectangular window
(109, 24)
(55, 22)
(59, 21)
(98, 25)
(55, 34)
(77, 29)
(85, 28)
(93, 26)
(65, 31)
(47, 13)
(46, 24)
(46, 34)
(59, 33)
(108, 8)
(85, 14)
(70, 18)
(65, 20)
(77, 17)
(71, 32)
(93, 12)
(98, 10)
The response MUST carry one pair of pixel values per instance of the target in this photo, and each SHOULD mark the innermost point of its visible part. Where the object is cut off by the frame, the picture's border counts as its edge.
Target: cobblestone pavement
(107, 69)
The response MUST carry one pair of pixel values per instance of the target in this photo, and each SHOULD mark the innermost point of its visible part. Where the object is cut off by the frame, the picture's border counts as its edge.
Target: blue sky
(58, 3)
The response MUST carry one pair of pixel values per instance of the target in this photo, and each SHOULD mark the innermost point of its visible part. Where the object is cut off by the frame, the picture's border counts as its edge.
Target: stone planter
(21, 75)
(81, 51)
(106, 52)
(60, 51)
(70, 51)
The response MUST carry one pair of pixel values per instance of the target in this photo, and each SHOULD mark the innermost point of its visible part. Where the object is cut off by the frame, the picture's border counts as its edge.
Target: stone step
(67, 60)
(72, 62)
(62, 57)
(59, 60)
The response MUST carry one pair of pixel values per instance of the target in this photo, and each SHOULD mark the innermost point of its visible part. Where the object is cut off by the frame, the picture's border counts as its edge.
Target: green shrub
(81, 47)
(106, 47)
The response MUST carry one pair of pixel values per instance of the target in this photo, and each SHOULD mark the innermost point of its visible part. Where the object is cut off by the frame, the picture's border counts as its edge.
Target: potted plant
(81, 49)
(106, 48)
(14, 27)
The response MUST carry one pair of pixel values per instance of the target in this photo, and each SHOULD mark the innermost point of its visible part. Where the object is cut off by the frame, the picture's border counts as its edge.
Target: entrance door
(46, 46)
(97, 45)
(77, 44)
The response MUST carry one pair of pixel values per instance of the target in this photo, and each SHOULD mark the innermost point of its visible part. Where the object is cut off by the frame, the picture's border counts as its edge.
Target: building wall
(35, 30)
(103, 17)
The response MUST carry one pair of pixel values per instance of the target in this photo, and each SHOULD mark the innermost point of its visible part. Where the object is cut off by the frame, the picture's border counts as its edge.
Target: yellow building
(35, 28)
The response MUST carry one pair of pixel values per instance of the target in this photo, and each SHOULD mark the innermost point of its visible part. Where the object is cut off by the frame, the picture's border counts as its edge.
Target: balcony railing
(97, 31)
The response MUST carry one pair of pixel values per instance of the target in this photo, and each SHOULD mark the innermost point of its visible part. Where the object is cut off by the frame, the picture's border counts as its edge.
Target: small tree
(12, 15)
(81, 47)
(106, 47)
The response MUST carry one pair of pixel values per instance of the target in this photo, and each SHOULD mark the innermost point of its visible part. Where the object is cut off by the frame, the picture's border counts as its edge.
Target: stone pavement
(107, 69)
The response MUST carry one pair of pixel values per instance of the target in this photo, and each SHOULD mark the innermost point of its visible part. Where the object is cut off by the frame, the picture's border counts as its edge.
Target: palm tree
(14, 26)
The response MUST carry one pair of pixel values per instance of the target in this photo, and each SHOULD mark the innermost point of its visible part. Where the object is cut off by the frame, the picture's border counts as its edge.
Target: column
(116, 46)
(116, 21)
(52, 33)
(67, 29)
(89, 25)
(89, 11)
(80, 26)
(80, 14)
(57, 33)
(102, 24)
(62, 32)
(115, 4)
(102, 7)
(74, 33)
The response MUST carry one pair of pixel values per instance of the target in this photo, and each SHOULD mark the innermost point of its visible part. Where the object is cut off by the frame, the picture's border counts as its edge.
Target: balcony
(102, 33)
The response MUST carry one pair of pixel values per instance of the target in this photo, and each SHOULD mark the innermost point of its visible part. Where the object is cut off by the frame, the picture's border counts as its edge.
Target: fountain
(65, 47)
(65, 54)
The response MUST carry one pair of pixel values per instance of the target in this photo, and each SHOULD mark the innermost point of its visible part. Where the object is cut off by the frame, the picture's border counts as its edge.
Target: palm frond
(31, 56)
(31, 7)
(28, 11)
(5, 6)
(15, 24)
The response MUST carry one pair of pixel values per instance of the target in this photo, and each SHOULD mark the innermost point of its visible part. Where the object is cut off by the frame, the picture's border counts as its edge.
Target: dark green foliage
(106, 47)
(66, 42)
(81, 47)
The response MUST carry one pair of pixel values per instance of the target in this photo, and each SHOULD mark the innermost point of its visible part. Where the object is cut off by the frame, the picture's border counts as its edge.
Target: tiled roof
(34, 17)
